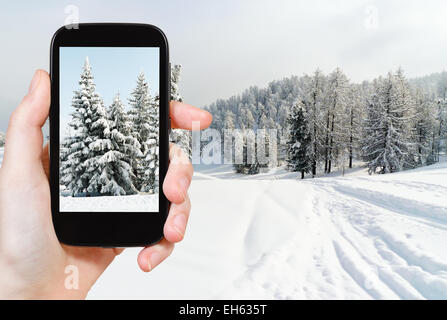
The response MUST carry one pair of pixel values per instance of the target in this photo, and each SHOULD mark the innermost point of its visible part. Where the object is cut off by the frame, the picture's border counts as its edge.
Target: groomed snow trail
(357, 237)
(381, 237)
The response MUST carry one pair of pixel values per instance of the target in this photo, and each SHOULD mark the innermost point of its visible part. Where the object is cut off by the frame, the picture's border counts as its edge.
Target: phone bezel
(109, 229)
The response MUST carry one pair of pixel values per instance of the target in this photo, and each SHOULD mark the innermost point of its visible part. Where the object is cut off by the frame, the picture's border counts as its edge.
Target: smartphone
(109, 134)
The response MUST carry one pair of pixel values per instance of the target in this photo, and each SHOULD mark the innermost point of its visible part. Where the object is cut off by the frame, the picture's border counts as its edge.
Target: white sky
(227, 46)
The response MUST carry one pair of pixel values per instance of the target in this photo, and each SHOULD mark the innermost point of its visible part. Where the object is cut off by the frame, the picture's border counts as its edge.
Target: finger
(183, 115)
(46, 160)
(179, 175)
(152, 256)
(118, 251)
(23, 148)
(175, 226)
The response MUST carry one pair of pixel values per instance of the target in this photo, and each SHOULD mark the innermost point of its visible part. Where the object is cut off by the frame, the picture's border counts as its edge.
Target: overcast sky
(226, 46)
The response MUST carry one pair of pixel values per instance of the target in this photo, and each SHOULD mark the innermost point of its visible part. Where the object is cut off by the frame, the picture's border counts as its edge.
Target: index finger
(183, 115)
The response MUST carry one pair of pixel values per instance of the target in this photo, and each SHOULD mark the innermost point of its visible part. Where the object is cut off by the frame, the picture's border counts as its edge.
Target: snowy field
(134, 203)
(276, 237)
(272, 236)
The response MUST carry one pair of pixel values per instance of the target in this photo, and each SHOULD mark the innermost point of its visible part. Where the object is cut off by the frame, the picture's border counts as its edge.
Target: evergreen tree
(314, 100)
(354, 113)
(151, 160)
(87, 139)
(387, 145)
(425, 126)
(228, 138)
(299, 142)
(125, 146)
(144, 116)
(335, 118)
(2, 139)
(180, 137)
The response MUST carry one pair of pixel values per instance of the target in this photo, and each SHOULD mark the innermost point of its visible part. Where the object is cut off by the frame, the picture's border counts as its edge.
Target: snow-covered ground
(274, 236)
(134, 203)
(1, 154)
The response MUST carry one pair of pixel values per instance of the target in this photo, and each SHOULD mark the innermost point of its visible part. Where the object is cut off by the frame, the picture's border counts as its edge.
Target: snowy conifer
(387, 145)
(180, 137)
(336, 102)
(425, 126)
(87, 139)
(144, 115)
(299, 142)
(2, 139)
(354, 116)
(313, 99)
(126, 148)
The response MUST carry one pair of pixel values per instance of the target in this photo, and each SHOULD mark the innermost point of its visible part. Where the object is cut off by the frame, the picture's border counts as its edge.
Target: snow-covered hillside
(358, 236)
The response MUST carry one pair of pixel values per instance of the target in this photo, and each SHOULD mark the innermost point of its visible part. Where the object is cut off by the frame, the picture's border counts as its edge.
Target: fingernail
(34, 82)
(179, 224)
(154, 260)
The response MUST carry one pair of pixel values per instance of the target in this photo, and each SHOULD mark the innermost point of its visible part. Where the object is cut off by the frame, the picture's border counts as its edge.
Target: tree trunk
(331, 145)
(351, 138)
(326, 145)
(302, 174)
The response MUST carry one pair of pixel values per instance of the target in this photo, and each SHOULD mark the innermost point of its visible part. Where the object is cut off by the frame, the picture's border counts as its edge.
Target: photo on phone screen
(109, 129)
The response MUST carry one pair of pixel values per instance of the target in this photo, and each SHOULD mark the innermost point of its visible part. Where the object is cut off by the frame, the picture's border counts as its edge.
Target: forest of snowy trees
(2, 139)
(323, 121)
(111, 150)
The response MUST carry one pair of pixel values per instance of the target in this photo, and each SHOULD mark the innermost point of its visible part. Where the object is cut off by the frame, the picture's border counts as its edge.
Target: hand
(32, 261)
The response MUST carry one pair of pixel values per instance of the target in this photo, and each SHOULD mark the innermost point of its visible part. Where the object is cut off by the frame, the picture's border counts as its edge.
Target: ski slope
(273, 236)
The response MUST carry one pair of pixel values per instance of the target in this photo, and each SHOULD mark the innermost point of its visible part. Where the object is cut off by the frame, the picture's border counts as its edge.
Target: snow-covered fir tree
(355, 114)
(248, 145)
(314, 101)
(423, 124)
(299, 142)
(87, 141)
(144, 116)
(228, 128)
(387, 146)
(2, 139)
(125, 149)
(180, 137)
(337, 96)
(440, 134)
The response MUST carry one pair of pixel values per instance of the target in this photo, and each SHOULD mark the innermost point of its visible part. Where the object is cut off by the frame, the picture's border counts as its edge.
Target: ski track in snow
(356, 238)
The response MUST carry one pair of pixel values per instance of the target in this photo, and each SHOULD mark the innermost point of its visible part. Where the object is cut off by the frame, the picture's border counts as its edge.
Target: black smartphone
(109, 134)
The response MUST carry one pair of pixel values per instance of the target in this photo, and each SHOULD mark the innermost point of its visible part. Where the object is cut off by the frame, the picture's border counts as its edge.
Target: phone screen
(109, 129)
